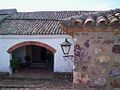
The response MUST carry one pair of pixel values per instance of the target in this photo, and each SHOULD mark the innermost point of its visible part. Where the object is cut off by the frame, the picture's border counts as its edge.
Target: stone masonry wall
(97, 61)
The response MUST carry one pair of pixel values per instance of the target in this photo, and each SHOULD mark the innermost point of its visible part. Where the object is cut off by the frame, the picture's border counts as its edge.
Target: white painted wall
(60, 65)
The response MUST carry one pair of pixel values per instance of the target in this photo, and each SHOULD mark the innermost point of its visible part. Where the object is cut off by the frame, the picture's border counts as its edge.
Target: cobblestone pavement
(36, 88)
(13, 84)
(34, 80)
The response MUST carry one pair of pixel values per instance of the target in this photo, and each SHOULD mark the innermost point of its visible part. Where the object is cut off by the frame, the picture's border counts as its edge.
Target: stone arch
(26, 43)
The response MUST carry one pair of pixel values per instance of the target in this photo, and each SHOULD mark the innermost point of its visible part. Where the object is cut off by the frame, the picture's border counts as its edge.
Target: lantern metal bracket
(68, 57)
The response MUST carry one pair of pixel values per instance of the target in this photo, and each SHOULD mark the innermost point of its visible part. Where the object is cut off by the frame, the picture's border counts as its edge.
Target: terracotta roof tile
(94, 19)
(30, 27)
(46, 22)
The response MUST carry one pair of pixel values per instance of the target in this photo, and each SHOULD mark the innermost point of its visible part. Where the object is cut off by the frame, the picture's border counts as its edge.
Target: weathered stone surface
(96, 66)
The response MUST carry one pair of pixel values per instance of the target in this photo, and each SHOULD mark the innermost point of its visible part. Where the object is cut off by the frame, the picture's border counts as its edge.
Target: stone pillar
(94, 60)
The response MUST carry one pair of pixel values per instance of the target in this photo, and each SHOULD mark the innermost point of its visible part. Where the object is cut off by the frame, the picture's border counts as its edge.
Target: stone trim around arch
(36, 43)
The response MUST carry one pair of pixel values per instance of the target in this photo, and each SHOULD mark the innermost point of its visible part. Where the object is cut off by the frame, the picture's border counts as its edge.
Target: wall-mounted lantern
(66, 46)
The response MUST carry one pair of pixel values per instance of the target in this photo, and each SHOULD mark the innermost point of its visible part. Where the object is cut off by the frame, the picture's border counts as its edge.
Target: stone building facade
(96, 51)
(95, 38)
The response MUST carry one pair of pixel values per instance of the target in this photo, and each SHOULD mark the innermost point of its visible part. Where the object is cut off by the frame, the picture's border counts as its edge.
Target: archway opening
(32, 56)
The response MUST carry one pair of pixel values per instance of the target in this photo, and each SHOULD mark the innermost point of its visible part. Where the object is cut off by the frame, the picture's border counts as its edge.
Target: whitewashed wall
(7, 41)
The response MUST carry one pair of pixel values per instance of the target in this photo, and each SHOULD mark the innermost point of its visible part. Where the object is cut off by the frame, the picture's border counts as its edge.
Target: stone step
(3, 74)
(41, 76)
(13, 83)
(38, 65)
(36, 89)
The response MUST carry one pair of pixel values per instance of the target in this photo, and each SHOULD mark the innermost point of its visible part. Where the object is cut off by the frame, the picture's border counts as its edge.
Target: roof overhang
(107, 22)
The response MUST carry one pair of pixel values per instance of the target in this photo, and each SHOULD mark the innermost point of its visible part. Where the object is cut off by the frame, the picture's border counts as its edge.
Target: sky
(59, 5)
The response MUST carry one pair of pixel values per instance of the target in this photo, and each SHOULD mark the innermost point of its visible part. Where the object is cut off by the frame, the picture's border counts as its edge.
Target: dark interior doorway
(38, 57)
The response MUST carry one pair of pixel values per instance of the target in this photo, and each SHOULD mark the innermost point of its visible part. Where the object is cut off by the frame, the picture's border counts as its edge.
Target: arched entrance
(22, 44)
(39, 55)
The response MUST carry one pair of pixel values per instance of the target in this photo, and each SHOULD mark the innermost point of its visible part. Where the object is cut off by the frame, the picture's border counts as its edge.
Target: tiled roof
(2, 17)
(37, 23)
(7, 11)
(102, 18)
(30, 27)
(55, 15)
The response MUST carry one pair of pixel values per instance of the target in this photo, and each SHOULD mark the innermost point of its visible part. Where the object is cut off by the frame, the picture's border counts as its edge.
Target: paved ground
(36, 89)
(21, 84)
(35, 79)
(35, 83)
